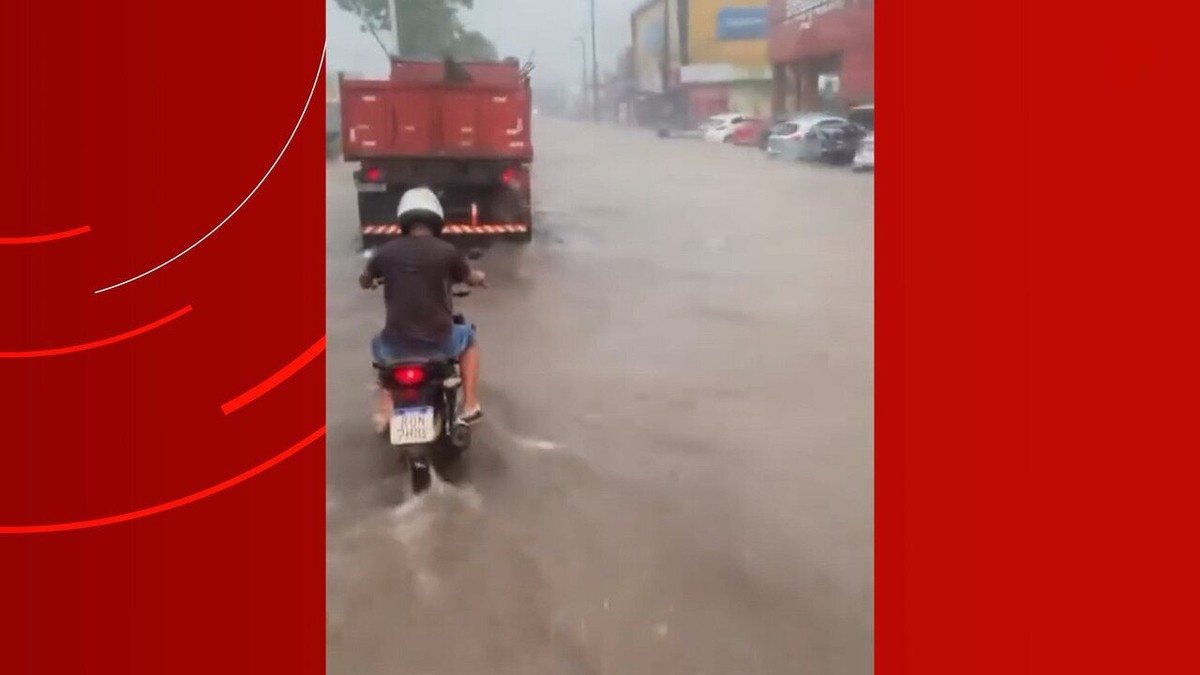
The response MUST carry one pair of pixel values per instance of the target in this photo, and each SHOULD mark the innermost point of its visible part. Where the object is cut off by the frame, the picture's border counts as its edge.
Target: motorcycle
(426, 401)
(426, 395)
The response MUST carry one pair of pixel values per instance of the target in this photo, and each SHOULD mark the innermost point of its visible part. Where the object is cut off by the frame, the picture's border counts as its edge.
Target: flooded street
(675, 475)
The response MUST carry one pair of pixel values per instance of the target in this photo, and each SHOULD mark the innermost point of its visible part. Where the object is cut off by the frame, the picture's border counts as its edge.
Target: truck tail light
(511, 177)
(374, 174)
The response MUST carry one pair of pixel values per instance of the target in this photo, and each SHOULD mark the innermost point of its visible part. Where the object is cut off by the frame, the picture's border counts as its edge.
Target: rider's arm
(461, 272)
(369, 275)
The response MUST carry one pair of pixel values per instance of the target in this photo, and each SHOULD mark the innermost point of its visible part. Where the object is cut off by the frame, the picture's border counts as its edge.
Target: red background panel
(150, 122)
(1036, 342)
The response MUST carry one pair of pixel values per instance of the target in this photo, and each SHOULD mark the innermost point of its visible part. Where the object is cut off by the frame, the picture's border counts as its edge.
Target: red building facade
(822, 54)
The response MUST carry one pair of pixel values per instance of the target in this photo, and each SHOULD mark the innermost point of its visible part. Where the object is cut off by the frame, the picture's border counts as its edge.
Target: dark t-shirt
(417, 273)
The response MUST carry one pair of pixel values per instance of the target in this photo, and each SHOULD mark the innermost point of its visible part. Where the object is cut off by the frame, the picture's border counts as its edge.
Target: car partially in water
(721, 128)
(749, 133)
(864, 158)
(864, 155)
(815, 137)
(863, 116)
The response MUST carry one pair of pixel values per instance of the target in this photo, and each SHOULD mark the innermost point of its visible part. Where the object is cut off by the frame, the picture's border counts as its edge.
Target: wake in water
(425, 522)
(443, 585)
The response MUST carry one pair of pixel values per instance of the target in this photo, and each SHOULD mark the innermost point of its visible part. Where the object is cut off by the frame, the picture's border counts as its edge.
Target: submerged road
(675, 475)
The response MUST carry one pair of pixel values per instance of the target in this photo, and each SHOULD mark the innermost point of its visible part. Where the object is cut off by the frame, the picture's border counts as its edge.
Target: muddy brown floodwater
(676, 472)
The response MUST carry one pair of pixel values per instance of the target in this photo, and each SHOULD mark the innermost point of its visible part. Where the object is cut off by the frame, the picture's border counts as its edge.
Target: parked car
(815, 136)
(715, 121)
(863, 116)
(768, 130)
(864, 156)
(838, 143)
(864, 159)
(718, 128)
(749, 132)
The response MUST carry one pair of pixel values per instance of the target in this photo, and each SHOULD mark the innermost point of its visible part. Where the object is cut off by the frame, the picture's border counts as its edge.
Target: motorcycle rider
(417, 270)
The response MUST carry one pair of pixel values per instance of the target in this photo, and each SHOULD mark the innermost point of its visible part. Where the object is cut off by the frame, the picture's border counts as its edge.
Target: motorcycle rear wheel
(420, 471)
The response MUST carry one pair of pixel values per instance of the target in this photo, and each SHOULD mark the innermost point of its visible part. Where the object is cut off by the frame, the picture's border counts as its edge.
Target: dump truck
(461, 129)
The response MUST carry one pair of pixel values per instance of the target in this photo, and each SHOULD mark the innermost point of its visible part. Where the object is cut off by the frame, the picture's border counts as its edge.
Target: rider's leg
(469, 361)
(383, 409)
(466, 349)
(383, 398)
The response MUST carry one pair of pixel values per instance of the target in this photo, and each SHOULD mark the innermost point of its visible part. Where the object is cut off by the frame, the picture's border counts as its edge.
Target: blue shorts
(460, 340)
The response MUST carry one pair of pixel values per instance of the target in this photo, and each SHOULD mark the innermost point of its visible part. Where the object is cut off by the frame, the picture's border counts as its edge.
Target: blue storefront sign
(741, 23)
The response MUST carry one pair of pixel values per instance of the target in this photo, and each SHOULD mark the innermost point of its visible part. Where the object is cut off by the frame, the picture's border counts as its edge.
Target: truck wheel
(377, 208)
(527, 236)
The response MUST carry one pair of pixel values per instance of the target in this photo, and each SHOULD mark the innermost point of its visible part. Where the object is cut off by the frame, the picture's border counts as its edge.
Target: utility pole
(595, 70)
(583, 65)
(392, 7)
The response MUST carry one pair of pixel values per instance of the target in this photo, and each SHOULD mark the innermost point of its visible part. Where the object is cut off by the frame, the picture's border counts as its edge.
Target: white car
(864, 159)
(719, 128)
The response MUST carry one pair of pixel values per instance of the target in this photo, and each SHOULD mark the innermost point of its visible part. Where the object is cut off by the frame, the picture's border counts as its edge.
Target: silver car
(798, 137)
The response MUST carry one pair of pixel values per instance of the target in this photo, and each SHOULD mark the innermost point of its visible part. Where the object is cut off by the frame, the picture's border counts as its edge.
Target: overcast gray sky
(517, 27)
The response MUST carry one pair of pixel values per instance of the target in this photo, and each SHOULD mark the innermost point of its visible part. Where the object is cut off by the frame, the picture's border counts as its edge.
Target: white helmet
(420, 205)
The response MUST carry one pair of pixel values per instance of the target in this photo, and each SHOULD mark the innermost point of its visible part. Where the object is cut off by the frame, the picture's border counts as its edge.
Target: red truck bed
(420, 113)
(460, 129)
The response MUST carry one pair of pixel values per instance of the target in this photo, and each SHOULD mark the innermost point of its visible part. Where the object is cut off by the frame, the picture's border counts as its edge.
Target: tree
(428, 29)
(471, 45)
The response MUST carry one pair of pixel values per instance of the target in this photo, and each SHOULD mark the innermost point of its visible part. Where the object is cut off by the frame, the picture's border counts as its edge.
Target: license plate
(412, 426)
(372, 187)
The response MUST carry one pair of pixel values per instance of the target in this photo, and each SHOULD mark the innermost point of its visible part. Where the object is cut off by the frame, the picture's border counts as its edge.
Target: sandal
(471, 416)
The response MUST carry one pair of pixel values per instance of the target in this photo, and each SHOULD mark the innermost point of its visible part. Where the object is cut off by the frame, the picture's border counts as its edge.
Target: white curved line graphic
(177, 256)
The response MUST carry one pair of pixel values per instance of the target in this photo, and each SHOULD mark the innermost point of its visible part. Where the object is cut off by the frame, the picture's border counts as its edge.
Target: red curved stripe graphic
(276, 379)
(166, 506)
(98, 343)
(38, 239)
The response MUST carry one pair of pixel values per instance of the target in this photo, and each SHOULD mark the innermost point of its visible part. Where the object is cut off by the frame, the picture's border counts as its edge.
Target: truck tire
(376, 208)
(526, 236)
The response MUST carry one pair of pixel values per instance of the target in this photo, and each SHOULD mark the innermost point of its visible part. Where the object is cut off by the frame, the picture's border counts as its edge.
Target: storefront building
(696, 58)
(655, 59)
(822, 54)
(727, 67)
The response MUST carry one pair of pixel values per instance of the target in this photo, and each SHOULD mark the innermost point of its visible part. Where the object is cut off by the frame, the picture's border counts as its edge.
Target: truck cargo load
(461, 129)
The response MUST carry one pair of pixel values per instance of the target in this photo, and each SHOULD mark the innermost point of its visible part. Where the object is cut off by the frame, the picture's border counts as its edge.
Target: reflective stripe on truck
(453, 229)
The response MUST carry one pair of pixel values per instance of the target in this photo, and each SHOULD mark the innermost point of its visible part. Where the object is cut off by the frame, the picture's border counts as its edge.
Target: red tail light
(409, 376)
(374, 175)
(511, 177)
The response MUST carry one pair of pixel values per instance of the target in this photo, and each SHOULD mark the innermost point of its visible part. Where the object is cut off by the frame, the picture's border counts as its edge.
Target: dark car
(837, 143)
(863, 116)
